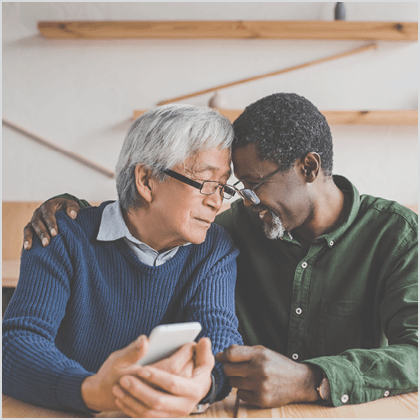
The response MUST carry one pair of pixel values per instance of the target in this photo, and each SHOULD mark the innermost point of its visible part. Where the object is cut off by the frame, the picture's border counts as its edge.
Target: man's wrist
(89, 392)
(208, 399)
(312, 380)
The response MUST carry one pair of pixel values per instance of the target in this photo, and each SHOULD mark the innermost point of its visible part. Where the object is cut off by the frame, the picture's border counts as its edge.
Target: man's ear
(144, 182)
(310, 166)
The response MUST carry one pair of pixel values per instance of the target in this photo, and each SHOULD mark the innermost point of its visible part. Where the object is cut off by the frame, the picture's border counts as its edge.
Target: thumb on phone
(136, 350)
(204, 358)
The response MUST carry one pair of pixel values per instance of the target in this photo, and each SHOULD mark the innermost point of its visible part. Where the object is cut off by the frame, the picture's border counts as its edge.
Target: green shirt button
(344, 398)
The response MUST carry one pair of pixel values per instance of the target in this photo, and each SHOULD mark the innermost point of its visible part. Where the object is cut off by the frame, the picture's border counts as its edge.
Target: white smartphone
(165, 340)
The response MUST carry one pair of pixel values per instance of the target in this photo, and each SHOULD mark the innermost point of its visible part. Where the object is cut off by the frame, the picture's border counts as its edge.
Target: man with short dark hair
(326, 293)
(333, 278)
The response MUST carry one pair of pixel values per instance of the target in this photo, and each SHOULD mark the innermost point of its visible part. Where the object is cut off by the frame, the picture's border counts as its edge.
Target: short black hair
(286, 127)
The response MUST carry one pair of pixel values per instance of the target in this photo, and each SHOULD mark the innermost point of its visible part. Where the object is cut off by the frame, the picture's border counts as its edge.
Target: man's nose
(215, 200)
(247, 202)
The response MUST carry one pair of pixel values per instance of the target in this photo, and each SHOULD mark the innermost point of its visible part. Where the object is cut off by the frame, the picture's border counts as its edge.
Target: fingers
(247, 396)
(39, 227)
(166, 381)
(196, 386)
(141, 398)
(48, 217)
(187, 370)
(155, 391)
(134, 351)
(194, 389)
(27, 236)
(133, 406)
(50, 208)
(242, 361)
(236, 354)
(138, 348)
(176, 363)
(247, 383)
(203, 356)
(44, 222)
(240, 369)
(140, 411)
(72, 209)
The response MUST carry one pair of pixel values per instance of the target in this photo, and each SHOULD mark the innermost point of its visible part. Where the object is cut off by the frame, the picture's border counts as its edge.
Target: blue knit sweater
(80, 299)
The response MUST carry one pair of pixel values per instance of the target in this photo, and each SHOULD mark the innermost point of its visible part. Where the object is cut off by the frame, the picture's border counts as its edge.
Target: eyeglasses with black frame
(249, 193)
(227, 191)
(205, 187)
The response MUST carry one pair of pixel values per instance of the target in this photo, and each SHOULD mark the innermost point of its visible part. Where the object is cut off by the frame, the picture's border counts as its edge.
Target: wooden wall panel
(15, 216)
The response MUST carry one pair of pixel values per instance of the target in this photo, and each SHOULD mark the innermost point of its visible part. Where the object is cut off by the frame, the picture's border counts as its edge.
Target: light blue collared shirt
(113, 227)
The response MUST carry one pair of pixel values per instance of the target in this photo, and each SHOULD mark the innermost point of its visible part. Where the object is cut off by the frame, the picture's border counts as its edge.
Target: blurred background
(80, 94)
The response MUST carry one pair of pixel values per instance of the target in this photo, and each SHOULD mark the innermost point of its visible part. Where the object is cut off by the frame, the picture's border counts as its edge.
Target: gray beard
(275, 229)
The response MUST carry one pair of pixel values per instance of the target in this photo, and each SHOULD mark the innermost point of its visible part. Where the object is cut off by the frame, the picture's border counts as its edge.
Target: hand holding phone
(165, 340)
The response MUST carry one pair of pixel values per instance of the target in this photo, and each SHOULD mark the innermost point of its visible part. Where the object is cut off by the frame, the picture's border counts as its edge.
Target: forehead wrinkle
(251, 173)
(203, 167)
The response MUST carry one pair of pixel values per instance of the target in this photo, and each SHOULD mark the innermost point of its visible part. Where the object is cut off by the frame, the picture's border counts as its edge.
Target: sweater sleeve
(213, 304)
(361, 375)
(34, 370)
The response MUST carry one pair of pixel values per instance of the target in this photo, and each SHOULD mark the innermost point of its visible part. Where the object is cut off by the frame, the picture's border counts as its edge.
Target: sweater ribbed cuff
(68, 390)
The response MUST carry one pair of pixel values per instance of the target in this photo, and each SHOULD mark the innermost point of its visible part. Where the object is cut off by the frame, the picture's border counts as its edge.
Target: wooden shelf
(372, 117)
(409, 117)
(316, 29)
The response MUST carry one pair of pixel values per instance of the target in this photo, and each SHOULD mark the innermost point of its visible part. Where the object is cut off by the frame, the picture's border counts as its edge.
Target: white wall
(81, 94)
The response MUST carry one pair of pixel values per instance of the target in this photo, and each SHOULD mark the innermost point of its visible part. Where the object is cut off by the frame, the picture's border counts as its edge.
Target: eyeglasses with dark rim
(249, 193)
(205, 187)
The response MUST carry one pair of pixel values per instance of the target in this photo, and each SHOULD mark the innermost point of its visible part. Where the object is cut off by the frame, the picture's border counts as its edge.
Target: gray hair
(164, 137)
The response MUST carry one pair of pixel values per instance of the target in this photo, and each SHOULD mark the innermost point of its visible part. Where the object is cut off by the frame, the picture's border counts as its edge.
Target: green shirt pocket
(344, 325)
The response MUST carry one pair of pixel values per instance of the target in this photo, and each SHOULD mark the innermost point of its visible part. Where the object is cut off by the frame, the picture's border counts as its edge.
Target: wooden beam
(399, 117)
(316, 29)
(72, 155)
(275, 73)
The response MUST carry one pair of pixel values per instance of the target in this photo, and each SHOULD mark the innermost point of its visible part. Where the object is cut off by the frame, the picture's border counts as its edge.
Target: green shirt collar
(350, 190)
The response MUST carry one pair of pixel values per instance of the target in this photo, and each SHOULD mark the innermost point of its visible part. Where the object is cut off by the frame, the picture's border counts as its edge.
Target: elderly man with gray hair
(84, 306)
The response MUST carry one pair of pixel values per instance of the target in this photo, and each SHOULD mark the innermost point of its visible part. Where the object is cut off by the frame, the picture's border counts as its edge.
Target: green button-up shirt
(347, 305)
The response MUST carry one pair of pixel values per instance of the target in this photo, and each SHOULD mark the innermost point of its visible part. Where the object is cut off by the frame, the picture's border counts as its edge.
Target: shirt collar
(352, 210)
(113, 227)
(354, 203)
